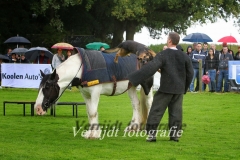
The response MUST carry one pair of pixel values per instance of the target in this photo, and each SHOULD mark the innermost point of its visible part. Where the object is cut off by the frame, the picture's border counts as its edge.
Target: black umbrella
(19, 51)
(17, 40)
(34, 52)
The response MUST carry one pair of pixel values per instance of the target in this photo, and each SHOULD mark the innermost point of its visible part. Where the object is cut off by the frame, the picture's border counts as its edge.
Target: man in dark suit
(176, 76)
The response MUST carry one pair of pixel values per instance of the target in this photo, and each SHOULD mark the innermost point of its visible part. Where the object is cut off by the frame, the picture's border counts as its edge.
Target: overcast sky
(214, 30)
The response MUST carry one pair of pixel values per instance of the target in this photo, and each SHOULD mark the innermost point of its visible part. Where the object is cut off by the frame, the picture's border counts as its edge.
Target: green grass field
(211, 131)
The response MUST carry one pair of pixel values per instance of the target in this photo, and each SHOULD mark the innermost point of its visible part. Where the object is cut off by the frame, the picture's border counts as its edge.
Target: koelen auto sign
(23, 75)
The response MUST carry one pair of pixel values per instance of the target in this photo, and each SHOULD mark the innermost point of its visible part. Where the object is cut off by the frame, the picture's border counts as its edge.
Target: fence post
(200, 75)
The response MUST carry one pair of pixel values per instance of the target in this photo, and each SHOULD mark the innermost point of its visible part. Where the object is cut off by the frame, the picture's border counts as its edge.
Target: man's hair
(174, 37)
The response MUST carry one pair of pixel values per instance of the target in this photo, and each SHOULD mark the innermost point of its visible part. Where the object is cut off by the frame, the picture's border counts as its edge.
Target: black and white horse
(53, 85)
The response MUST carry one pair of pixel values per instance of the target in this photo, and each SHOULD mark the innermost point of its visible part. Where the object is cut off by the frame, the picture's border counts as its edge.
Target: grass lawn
(212, 130)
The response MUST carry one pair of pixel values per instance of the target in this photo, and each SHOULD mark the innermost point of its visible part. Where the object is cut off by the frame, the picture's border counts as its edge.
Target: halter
(64, 88)
(57, 88)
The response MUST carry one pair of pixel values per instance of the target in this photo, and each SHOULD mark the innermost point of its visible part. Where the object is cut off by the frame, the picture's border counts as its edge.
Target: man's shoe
(151, 138)
(174, 139)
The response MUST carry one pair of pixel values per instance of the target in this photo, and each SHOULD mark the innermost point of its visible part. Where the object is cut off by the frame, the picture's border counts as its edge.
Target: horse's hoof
(92, 134)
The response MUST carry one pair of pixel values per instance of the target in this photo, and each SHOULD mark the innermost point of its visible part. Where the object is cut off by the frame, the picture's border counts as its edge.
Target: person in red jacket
(42, 59)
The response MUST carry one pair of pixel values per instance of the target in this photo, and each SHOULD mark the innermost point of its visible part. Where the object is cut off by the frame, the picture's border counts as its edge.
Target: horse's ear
(42, 74)
(53, 75)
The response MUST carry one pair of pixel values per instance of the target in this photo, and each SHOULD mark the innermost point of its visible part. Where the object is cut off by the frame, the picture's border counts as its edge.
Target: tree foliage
(107, 20)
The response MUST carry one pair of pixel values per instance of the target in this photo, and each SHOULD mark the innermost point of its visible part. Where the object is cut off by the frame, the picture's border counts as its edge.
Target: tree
(179, 15)
(107, 20)
(175, 15)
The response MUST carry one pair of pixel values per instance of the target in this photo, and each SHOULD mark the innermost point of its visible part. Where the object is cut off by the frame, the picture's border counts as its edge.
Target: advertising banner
(23, 75)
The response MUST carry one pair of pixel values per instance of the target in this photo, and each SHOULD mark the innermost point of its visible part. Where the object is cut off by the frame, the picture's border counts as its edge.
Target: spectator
(194, 46)
(189, 50)
(58, 58)
(9, 50)
(23, 59)
(205, 48)
(14, 58)
(211, 69)
(164, 47)
(215, 52)
(179, 47)
(102, 48)
(196, 56)
(1, 61)
(69, 53)
(229, 50)
(223, 70)
(42, 59)
(237, 55)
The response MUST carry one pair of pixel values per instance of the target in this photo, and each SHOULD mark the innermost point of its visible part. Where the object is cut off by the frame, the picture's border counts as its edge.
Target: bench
(20, 102)
(74, 104)
(53, 108)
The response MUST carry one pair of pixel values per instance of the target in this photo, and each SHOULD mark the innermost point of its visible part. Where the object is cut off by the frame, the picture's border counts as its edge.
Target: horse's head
(48, 92)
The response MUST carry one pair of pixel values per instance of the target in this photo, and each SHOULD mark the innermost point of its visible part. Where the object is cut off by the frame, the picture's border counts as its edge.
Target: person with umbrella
(8, 54)
(196, 56)
(3, 59)
(14, 58)
(58, 58)
(102, 48)
(42, 59)
(223, 70)
(23, 59)
(69, 53)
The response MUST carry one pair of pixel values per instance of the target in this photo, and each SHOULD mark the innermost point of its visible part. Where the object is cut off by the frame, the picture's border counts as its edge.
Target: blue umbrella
(34, 52)
(197, 37)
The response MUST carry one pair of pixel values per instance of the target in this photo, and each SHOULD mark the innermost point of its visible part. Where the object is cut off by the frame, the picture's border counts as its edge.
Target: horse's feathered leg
(92, 100)
(140, 108)
(145, 104)
(136, 121)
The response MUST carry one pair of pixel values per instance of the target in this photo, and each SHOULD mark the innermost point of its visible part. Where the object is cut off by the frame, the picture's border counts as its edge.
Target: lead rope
(67, 85)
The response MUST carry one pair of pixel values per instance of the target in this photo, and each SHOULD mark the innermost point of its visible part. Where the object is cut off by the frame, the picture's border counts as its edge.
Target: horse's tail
(145, 104)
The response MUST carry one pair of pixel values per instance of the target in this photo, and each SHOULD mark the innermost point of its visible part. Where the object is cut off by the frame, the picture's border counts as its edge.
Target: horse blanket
(101, 66)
